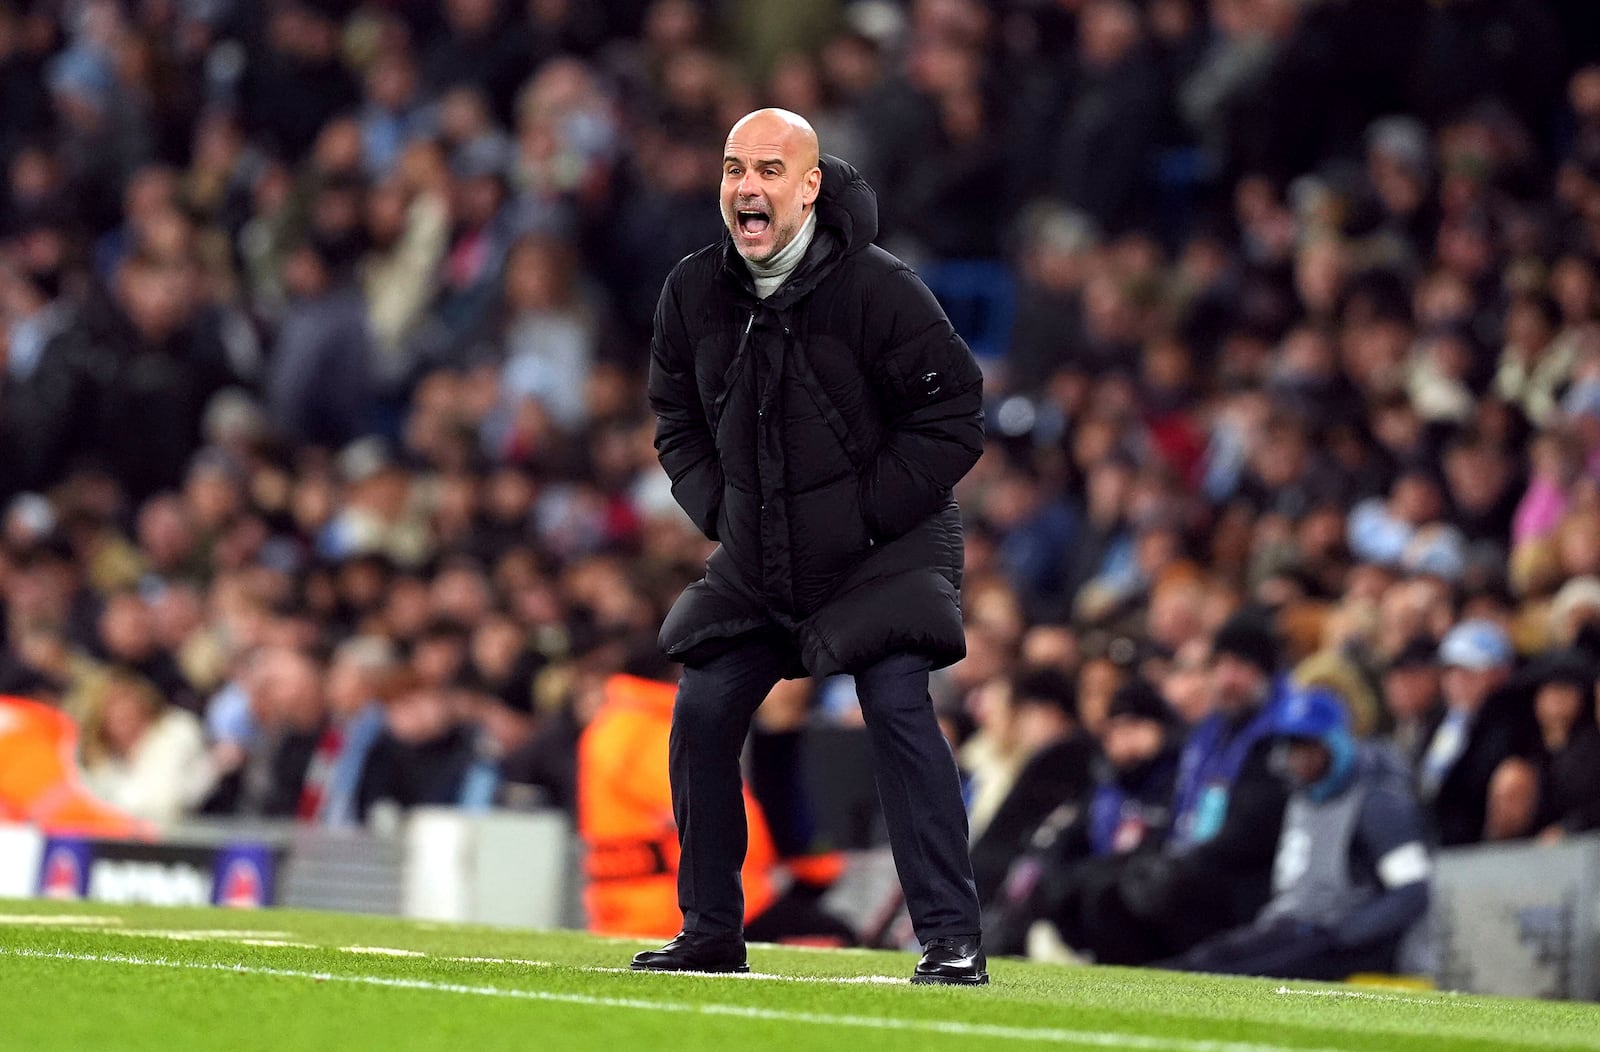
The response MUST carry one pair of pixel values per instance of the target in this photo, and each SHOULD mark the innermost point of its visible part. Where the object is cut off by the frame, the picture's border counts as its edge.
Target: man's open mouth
(753, 222)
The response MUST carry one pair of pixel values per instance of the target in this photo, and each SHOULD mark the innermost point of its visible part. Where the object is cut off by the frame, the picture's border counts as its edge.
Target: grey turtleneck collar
(775, 271)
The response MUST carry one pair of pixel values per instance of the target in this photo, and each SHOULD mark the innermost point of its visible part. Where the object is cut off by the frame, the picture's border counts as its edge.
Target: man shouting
(814, 410)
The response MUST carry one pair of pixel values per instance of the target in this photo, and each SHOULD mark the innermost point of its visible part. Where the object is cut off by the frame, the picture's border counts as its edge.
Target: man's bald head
(779, 126)
(770, 180)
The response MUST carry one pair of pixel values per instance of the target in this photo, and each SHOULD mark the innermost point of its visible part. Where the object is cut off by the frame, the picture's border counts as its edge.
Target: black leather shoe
(954, 961)
(696, 951)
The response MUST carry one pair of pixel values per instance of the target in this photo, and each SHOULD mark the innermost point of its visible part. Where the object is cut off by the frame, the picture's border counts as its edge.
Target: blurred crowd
(328, 478)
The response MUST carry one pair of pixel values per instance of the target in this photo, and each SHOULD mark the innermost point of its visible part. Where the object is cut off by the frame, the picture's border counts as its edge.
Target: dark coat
(1459, 810)
(42, 409)
(1569, 784)
(416, 774)
(1225, 881)
(320, 386)
(817, 435)
(149, 397)
(284, 762)
(1058, 774)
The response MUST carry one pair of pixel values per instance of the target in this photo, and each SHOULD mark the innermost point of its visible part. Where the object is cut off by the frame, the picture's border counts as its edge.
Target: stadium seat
(980, 296)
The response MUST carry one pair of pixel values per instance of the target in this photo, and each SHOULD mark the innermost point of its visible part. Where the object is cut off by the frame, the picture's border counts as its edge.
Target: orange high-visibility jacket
(39, 775)
(625, 817)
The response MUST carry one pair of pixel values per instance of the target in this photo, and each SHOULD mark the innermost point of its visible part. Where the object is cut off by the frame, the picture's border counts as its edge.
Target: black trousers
(916, 774)
(1284, 950)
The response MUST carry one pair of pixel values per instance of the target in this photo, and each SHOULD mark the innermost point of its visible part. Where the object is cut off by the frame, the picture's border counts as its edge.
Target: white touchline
(54, 920)
(845, 980)
(278, 943)
(383, 951)
(185, 934)
(1444, 997)
(797, 949)
(502, 960)
(641, 940)
(1081, 1038)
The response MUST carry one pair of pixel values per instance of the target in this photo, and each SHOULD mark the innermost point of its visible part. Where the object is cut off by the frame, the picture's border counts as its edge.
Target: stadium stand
(327, 475)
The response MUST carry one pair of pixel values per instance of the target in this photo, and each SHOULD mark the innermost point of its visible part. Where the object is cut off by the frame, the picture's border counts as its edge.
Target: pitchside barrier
(1518, 919)
(515, 869)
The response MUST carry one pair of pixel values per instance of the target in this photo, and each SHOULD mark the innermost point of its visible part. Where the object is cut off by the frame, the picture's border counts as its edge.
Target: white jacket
(166, 776)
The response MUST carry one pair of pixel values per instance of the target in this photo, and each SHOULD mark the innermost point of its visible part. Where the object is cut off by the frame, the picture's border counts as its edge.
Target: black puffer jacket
(817, 435)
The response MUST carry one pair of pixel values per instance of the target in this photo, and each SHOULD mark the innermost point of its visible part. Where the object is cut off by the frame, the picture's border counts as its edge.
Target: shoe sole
(934, 980)
(692, 971)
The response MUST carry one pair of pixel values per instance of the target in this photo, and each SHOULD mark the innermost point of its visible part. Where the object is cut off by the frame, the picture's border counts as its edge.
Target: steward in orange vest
(39, 782)
(625, 817)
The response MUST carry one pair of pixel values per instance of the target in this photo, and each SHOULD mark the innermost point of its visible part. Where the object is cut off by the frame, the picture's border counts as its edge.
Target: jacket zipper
(729, 374)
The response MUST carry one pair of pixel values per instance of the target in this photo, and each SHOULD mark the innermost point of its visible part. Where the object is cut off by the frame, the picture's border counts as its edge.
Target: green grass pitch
(88, 976)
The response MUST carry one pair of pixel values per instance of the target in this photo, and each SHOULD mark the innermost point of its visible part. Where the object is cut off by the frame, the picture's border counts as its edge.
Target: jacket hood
(847, 222)
(847, 205)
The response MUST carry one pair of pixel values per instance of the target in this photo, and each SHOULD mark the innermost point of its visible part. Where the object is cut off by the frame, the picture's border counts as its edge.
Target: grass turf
(92, 976)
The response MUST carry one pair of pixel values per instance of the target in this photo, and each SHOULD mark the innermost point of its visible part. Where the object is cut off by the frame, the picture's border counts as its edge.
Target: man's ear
(813, 187)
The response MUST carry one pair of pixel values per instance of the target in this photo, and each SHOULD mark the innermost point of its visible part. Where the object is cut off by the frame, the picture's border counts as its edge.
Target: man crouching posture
(814, 409)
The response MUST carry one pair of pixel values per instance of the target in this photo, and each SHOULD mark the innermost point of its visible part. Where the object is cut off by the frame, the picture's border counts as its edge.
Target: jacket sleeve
(683, 433)
(1391, 830)
(931, 394)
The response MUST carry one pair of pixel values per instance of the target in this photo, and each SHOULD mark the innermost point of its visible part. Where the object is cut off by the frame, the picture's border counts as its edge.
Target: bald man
(814, 410)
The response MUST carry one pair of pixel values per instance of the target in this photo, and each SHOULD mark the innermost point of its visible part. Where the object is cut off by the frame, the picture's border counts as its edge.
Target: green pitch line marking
(1051, 1035)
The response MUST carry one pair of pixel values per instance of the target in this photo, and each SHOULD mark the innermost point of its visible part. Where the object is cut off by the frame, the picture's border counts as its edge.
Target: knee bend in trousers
(705, 718)
(897, 683)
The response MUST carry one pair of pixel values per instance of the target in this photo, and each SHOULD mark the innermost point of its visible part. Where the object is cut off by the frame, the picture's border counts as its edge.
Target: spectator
(158, 366)
(543, 771)
(482, 46)
(1566, 766)
(144, 756)
(127, 636)
(1076, 850)
(1352, 872)
(674, 205)
(423, 756)
(1053, 772)
(1476, 734)
(1411, 698)
(1214, 870)
(295, 83)
(1056, 256)
(484, 230)
(439, 655)
(359, 677)
(1099, 152)
(548, 336)
(1481, 489)
(42, 387)
(1131, 808)
(264, 776)
(168, 539)
(381, 514)
(393, 113)
(992, 756)
(320, 386)
(407, 224)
